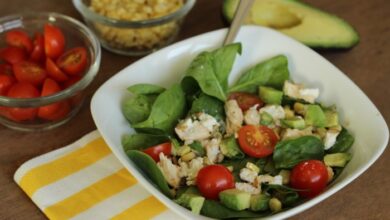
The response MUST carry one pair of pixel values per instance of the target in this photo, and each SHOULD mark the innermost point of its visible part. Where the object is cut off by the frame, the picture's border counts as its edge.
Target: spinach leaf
(149, 167)
(140, 141)
(210, 71)
(343, 143)
(270, 168)
(145, 89)
(137, 108)
(272, 72)
(197, 146)
(166, 111)
(288, 153)
(287, 196)
(214, 209)
(210, 105)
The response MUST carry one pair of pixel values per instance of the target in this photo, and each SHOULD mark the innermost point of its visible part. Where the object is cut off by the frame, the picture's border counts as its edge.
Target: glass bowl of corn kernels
(134, 27)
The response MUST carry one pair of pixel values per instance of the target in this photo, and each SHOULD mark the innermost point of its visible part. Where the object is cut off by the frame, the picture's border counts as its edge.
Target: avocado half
(307, 24)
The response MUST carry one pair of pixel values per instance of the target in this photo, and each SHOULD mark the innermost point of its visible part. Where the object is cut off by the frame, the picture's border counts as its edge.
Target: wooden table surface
(367, 64)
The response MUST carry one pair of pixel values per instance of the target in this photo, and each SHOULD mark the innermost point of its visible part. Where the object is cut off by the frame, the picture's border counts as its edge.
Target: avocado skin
(235, 199)
(229, 6)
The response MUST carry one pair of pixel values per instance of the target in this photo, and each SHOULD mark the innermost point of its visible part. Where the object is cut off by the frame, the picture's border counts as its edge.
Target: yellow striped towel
(85, 181)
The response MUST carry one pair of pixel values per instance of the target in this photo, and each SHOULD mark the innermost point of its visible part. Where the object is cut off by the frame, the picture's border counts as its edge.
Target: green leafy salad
(248, 150)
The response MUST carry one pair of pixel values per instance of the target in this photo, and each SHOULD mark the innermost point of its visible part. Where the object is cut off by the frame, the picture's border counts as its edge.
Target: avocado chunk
(259, 202)
(191, 199)
(296, 122)
(332, 118)
(303, 22)
(337, 159)
(266, 119)
(315, 116)
(230, 148)
(270, 95)
(235, 199)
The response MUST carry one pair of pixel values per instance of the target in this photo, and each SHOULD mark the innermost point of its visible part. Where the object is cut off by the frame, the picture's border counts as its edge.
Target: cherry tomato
(54, 41)
(19, 38)
(6, 82)
(13, 55)
(49, 87)
(310, 176)
(154, 152)
(38, 51)
(6, 69)
(72, 80)
(246, 100)
(22, 90)
(73, 61)
(55, 72)
(257, 141)
(29, 72)
(213, 179)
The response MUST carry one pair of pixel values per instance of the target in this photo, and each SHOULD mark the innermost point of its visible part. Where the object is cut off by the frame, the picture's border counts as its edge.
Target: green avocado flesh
(305, 23)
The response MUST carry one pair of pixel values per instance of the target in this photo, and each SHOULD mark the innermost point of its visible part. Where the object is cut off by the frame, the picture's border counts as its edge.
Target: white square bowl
(168, 65)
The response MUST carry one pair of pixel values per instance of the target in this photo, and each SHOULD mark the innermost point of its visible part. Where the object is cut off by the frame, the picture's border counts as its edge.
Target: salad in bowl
(252, 149)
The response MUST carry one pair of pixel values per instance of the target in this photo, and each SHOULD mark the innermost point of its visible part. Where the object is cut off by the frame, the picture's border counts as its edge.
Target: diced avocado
(305, 23)
(235, 199)
(270, 95)
(337, 159)
(191, 199)
(266, 118)
(332, 118)
(230, 148)
(315, 116)
(297, 122)
(259, 202)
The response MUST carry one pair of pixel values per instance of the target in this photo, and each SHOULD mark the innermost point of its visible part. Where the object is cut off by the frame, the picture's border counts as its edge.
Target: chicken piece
(212, 149)
(247, 187)
(276, 112)
(330, 138)
(248, 175)
(190, 170)
(190, 130)
(252, 116)
(208, 121)
(298, 92)
(169, 170)
(291, 89)
(309, 95)
(234, 117)
(277, 180)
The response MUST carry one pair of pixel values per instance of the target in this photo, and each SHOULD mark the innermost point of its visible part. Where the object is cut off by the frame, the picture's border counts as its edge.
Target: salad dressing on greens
(248, 150)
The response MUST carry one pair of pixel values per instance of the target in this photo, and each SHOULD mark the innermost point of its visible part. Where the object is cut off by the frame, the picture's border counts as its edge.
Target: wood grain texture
(367, 64)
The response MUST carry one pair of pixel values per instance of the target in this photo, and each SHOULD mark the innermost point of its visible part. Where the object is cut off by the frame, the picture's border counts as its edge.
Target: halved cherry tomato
(22, 90)
(246, 100)
(6, 69)
(73, 61)
(19, 38)
(29, 72)
(38, 51)
(54, 41)
(49, 87)
(310, 176)
(257, 141)
(62, 111)
(6, 81)
(213, 179)
(55, 72)
(154, 152)
(71, 81)
(13, 55)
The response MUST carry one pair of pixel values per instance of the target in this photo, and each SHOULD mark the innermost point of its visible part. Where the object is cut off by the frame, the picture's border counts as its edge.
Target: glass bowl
(72, 95)
(126, 35)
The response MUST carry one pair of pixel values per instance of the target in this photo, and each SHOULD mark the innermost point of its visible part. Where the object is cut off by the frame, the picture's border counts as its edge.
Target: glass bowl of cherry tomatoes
(46, 62)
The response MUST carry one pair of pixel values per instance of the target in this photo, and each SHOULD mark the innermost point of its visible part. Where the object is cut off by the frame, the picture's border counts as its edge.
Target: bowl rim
(93, 16)
(80, 85)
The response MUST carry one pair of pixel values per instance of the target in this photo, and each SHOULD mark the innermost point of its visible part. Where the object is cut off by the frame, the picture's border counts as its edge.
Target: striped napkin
(84, 180)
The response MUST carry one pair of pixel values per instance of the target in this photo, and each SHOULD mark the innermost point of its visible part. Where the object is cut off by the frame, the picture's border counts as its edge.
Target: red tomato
(19, 38)
(6, 69)
(13, 55)
(310, 176)
(213, 179)
(257, 141)
(54, 41)
(62, 110)
(55, 72)
(29, 72)
(38, 51)
(246, 100)
(71, 81)
(154, 152)
(6, 82)
(22, 90)
(49, 88)
(73, 61)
